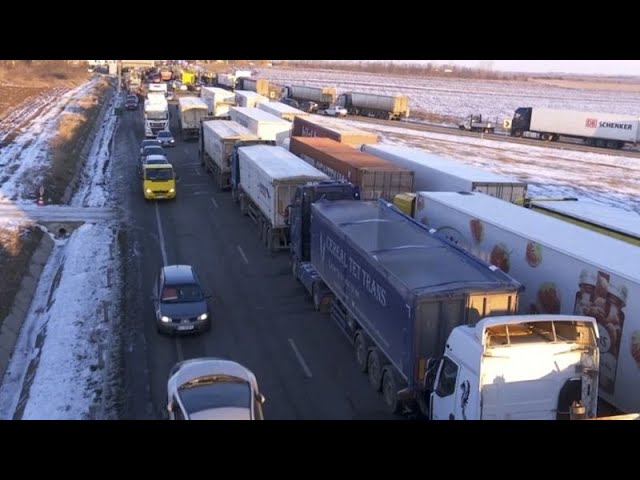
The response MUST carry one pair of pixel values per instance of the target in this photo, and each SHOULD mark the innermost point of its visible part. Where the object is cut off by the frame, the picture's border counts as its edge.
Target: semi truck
(608, 130)
(217, 139)
(156, 115)
(565, 269)
(388, 107)
(282, 110)
(218, 100)
(191, 110)
(375, 177)
(262, 124)
(226, 80)
(314, 126)
(323, 96)
(433, 327)
(434, 173)
(268, 178)
(245, 98)
(615, 222)
(258, 85)
(475, 123)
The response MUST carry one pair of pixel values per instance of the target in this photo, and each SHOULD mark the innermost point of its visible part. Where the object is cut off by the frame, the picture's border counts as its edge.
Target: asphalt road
(262, 317)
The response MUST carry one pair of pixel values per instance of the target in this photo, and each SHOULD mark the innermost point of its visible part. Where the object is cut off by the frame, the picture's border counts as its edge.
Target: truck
(268, 178)
(191, 110)
(159, 88)
(258, 85)
(435, 173)
(218, 100)
(432, 326)
(323, 96)
(615, 222)
(375, 177)
(338, 130)
(564, 268)
(245, 98)
(282, 110)
(156, 115)
(388, 107)
(187, 78)
(475, 123)
(261, 123)
(226, 80)
(158, 181)
(606, 130)
(217, 139)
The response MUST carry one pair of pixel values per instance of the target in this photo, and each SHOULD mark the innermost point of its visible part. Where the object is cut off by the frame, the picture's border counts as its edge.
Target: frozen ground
(70, 331)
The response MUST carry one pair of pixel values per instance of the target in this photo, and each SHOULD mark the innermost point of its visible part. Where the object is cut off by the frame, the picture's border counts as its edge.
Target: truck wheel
(390, 392)
(361, 352)
(374, 366)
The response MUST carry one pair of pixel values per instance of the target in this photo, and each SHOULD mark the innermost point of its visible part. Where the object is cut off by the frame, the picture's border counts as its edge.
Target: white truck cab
(525, 367)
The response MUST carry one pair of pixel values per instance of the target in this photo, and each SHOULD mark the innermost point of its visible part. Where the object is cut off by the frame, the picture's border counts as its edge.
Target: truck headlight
(165, 319)
(204, 316)
(148, 190)
(172, 190)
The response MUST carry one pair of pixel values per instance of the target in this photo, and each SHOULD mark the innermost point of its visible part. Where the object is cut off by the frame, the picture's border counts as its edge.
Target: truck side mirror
(430, 373)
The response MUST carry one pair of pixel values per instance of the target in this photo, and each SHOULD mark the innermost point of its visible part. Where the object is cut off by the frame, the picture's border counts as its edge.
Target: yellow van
(158, 182)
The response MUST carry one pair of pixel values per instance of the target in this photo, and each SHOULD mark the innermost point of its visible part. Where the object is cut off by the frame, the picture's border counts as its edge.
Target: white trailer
(217, 139)
(438, 174)
(610, 130)
(323, 96)
(218, 100)
(156, 115)
(282, 110)
(226, 80)
(191, 110)
(158, 87)
(261, 123)
(565, 269)
(269, 176)
(246, 98)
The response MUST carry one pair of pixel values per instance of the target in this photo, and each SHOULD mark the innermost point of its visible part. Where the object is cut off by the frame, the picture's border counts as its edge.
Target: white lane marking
(161, 236)
(244, 257)
(198, 171)
(303, 364)
(215, 204)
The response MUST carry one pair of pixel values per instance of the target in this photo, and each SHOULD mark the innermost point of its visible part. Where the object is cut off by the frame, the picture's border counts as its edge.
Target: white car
(336, 111)
(213, 389)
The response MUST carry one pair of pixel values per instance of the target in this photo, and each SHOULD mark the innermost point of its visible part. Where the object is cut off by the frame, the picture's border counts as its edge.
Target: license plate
(185, 327)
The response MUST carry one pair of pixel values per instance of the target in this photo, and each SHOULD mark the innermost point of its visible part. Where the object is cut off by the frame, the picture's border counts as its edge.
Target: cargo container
(218, 100)
(217, 138)
(226, 80)
(191, 110)
(610, 130)
(282, 110)
(323, 96)
(258, 85)
(261, 123)
(434, 173)
(375, 177)
(338, 130)
(388, 107)
(565, 269)
(249, 99)
(269, 176)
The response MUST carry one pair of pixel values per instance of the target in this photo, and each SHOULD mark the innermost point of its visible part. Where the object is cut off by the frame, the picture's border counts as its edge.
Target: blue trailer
(398, 291)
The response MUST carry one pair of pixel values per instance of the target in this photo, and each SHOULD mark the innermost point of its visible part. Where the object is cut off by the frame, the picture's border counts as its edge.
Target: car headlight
(148, 190)
(172, 190)
(204, 316)
(165, 319)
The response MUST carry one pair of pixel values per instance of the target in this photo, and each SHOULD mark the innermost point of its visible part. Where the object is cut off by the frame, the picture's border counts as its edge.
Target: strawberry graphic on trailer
(533, 254)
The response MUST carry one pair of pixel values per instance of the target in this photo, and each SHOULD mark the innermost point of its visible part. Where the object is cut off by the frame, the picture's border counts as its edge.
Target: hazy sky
(603, 67)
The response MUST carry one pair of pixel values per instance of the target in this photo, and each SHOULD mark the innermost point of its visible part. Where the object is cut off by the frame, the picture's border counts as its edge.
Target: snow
(74, 306)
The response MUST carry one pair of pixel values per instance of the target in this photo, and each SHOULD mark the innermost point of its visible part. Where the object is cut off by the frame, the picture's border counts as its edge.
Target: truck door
(443, 398)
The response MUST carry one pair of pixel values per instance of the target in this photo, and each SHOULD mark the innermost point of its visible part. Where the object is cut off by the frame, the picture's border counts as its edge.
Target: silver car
(213, 389)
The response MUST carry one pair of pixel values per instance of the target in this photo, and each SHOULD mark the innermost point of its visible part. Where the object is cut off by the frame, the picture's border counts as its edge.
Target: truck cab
(527, 367)
(158, 182)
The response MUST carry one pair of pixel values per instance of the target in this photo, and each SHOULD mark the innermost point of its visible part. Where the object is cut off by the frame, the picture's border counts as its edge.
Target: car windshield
(164, 135)
(159, 174)
(155, 150)
(182, 293)
(217, 391)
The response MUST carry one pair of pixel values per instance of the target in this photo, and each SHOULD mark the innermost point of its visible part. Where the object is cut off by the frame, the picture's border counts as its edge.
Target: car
(148, 143)
(291, 102)
(309, 106)
(152, 150)
(211, 388)
(166, 138)
(170, 95)
(336, 111)
(131, 102)
(180, 302)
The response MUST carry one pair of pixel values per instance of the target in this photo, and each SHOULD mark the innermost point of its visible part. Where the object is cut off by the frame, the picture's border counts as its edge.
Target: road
(261, 315)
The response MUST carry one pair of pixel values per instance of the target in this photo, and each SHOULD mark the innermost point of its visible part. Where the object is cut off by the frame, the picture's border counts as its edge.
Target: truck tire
(362, 356)
(374, 367)
(390, 392)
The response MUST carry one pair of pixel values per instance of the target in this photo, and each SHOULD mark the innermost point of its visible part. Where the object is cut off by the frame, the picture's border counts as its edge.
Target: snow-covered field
(460, 97)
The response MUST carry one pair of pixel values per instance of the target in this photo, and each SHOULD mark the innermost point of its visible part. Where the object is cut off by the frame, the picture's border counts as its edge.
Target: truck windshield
(158, 174)
(580, 333)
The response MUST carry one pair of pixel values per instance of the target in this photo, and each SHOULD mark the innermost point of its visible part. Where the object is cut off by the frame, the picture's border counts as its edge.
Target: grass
(42, 73)
(17, 245)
